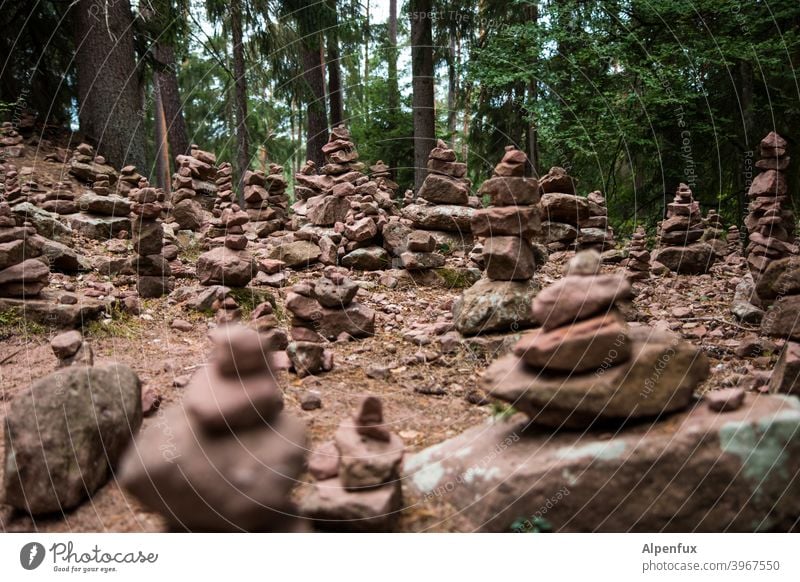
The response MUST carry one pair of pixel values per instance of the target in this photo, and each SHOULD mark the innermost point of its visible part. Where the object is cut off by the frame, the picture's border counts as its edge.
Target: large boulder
(448, 217)
(188, 214)
(560, 207)
(694, 259)
(98, 227)
(300, 253)
(66, 433)
(701, 471)
(490, 306)
(367, 259)
(223, 266)
(111, 205)
(48, 224)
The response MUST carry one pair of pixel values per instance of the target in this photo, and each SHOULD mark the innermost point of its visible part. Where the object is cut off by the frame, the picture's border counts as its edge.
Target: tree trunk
(108, 81)
(424, 114)
(334, 70)
(317, 122)
(366, 61)
(452, 82)
(162, 133)
(167, 78)
(393, 97)
(240, 84)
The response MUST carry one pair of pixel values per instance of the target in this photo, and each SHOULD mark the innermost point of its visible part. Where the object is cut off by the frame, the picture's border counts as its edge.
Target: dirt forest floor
(429, 396)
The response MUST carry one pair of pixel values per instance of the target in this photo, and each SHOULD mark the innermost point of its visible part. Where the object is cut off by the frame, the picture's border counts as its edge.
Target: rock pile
(585, 368)
(152, 269)
(265, 200)
(562, 210)
(230, 263)
(328, 309)
(11, 145)
(421, 252)
(443, 204)
(382, 177)
(230, 457)
(680, 247)
(637, 263)
(595, 232)
(11, 188)
(72, 350)
(358, 485)
(103, 214)
(128, 180)
(507, 228)
(87, 167)
(714, 233)
(60, 200)
(734, 241)
(225, 194)
(186, 211)
(770, 222)
(23, 270)
(62, 444)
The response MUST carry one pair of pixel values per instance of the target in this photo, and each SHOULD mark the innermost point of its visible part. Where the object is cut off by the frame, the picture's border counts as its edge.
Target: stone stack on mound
(204, 175)
(311, 185)
(382, 177)
(734, 241)
(87, 167)
(230, 263)
(421, 252)
(585, 368)
(152, 269)
(770, 222)
(61, 199)
(103, 215)
(357, 475)
(680, 248)
(265, 200)
(186, 211)
(128, 180)
(225, 194)
(562, 210)
(23, 270)
(715, 233)
(443, 205)
(11, 145)
(501, 300)
(25, 188)
(328, 309)
(595, 232)
(231, 457)
(637, 263)
(62, 444)
(11, 188)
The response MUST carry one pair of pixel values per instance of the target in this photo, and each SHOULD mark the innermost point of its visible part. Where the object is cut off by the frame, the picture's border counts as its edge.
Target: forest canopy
(632, 97)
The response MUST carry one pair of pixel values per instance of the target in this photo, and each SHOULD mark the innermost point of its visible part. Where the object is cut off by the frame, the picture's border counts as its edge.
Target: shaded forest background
(632, 97)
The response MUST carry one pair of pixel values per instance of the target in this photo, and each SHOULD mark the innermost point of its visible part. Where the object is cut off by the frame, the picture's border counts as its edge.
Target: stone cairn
(734, 241)
(11, 145)
(186, 211)
(87, 167)
(103, 214)
(501, 300)
(443, 204)
(72, 350)
(585, 367)
(562, 210)
(637, 264)
(152, 269)
(22, 273)
(226, 197)
(595, 232)
(340, 210)
(382, 177)
(328, 309)
(60, 199)
(231, 457)
(357, 474)
(770, 222)
(11, 188)
(128, 180)
(714, 231)
(265, 200)
(680, 247)
(228, 263)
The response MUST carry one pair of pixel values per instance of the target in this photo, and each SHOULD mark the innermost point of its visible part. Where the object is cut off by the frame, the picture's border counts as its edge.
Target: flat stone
(440, 189)
(658, 379)
(372, 258)
(717, 472)
(333, 507)
(576, 297)
(521, 221)
(509, 191)
(447, 217)
(296, 254)
(98, 227)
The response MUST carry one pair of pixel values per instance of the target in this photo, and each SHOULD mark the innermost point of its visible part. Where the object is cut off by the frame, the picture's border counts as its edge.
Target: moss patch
(13, 323)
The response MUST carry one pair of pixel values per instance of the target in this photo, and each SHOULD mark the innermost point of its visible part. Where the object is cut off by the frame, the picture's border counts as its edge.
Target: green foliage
(456, 278)
(121, 324)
